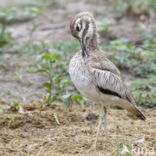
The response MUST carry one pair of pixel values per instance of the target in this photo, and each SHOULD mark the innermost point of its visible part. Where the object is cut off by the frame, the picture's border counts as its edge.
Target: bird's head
(83, 28)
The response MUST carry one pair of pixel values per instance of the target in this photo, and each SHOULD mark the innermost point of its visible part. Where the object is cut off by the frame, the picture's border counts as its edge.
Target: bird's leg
(99, 126)
(117, 142)
(105, 120)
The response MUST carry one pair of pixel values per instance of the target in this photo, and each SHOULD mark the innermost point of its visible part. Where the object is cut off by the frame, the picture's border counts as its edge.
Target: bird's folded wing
(108, 78)
(108, 82)
(112, 84)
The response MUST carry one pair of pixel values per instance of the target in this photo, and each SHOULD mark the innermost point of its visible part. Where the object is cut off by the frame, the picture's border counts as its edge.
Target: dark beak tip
(83, 47)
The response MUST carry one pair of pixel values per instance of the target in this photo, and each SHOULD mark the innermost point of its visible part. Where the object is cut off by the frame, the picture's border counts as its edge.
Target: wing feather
(108, 80)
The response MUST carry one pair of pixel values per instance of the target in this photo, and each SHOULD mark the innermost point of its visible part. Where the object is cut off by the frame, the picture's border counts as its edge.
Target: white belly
(82, 79)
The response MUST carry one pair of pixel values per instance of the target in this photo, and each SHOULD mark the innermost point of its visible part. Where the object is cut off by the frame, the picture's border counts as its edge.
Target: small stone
(91, 116)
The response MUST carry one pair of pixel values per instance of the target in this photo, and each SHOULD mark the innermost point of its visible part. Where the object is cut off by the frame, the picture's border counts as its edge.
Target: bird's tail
(131, 107)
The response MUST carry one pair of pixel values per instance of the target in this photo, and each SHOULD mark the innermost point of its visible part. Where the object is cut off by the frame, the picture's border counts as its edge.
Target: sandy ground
(59, 131)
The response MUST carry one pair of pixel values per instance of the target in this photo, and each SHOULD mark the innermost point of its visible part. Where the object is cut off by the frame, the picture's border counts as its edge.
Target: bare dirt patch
(60, 131)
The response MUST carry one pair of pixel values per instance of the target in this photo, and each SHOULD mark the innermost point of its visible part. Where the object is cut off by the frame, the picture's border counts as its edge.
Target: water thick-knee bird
(94, 75)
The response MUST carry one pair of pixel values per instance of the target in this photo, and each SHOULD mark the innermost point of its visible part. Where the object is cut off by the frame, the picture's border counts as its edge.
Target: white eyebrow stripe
(81, 31)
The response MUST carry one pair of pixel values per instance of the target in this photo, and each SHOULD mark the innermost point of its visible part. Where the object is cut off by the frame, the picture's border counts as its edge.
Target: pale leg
(105, 120)
(99, 126)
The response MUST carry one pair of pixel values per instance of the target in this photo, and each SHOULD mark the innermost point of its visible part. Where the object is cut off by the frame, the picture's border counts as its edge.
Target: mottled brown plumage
(93, 74)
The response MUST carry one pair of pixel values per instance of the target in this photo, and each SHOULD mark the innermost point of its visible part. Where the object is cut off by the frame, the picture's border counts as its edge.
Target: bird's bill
(83, 47)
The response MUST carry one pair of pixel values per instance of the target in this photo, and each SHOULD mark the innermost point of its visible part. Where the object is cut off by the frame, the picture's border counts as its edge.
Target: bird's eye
(78, 27)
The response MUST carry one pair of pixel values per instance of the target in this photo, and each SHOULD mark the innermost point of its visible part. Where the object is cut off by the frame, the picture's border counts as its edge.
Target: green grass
(68, 46)
(144, 92)
(59, 86)
(37, 3)
(39, 47)
(135, 60)
(133, 5)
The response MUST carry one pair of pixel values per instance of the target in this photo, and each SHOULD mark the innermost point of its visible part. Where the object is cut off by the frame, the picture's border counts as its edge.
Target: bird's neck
(93, 43)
